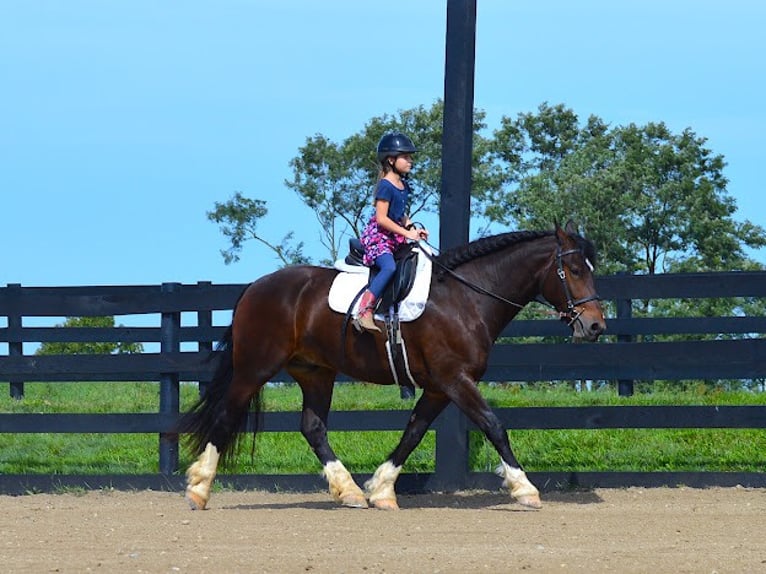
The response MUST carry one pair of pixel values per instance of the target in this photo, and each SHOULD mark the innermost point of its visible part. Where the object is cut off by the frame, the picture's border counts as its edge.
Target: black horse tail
(207, 420)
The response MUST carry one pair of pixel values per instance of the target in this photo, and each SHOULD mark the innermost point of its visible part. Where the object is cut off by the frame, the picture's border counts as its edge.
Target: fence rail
(738, 353)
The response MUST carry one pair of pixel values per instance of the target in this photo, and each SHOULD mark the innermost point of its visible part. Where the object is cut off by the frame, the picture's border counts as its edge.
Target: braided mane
(456, 256)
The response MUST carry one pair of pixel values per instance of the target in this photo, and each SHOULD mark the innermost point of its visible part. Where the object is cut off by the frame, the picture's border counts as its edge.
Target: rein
(571, 315)
(466, 282)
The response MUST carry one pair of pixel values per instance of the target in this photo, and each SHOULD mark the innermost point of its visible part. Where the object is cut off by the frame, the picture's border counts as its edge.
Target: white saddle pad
(352, 279)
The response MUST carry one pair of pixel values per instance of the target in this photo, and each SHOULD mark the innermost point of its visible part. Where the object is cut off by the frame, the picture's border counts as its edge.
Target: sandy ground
(632, 530)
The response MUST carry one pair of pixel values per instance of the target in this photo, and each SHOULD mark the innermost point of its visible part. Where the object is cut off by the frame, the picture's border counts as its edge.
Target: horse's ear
(557, 229)
(571, 228)
(561, 235)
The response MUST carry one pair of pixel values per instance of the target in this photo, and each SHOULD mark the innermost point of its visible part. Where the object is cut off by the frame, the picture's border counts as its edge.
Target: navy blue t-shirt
(396, 198)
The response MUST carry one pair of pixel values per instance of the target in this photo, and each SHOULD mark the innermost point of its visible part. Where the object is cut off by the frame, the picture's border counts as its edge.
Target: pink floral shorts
(378, 241)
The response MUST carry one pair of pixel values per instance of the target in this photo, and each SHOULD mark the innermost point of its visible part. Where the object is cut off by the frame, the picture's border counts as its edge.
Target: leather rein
(570, 316)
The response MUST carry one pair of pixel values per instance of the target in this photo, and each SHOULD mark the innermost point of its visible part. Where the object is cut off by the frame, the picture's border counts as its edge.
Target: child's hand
(417, 234)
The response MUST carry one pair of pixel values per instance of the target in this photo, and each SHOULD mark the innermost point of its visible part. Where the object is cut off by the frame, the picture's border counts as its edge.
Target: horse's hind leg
(200, 476)
(222, 419)
(317, 386)
(380, 487)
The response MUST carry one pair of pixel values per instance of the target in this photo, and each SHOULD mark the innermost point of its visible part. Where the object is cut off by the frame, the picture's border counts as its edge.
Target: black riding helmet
(394, 144)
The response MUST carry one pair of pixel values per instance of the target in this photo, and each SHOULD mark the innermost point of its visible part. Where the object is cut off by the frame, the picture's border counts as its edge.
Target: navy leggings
(387, 266)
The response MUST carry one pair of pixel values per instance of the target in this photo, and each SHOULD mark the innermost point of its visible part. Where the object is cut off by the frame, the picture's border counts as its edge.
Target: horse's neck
(514, 274)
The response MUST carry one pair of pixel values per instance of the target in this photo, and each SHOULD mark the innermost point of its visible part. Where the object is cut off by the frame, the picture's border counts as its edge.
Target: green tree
(238, 220)
(335, 180)
(651, 200)
(107, 348)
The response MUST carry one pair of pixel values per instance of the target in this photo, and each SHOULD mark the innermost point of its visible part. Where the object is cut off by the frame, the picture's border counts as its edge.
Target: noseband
(573, 312)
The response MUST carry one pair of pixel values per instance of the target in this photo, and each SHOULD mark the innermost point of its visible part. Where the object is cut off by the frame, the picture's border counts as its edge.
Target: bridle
(574, 310)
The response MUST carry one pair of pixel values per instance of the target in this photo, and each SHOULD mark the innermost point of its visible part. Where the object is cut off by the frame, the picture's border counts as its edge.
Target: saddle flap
(352, 280)
(403, 279)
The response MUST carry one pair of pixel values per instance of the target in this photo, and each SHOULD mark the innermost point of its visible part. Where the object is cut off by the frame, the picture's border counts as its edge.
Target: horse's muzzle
(587, 324)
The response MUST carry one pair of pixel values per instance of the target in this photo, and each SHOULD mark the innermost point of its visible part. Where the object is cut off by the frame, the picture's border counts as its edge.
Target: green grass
(538, 450)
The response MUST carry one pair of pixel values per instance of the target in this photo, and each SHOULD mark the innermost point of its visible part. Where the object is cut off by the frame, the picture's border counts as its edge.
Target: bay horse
(283, 321)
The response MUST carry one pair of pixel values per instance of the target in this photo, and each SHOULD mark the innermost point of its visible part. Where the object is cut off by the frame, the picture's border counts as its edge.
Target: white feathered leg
(380, 488)
(200, 476)
(342, 485)
(521, 488)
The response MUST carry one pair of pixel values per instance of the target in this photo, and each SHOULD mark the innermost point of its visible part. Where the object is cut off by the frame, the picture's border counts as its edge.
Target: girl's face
(403, 163)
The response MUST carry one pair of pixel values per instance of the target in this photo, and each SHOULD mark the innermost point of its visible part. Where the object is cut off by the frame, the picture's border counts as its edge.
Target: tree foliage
(651, 200)
(336, 180)
(106, 348)
(238, 220)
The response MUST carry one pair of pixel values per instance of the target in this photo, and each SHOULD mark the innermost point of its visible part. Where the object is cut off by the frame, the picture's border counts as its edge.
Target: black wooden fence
(618, 358)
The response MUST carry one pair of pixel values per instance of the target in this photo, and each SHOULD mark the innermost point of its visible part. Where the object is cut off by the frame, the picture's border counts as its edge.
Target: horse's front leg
(380, 488)
(317, 387)
(468, 399)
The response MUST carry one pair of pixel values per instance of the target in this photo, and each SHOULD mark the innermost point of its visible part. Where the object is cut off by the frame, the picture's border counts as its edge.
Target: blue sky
(121, 123)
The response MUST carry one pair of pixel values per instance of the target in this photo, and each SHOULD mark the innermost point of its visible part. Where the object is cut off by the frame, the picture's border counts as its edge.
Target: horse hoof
(530, 501)
(385, 504)
(354, 501)
(195, 501)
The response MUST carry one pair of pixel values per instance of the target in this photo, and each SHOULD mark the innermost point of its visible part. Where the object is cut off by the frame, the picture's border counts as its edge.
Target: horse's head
(568, 285)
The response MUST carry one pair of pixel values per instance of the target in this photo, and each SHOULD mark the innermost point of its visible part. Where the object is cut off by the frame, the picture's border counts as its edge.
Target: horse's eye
(575, 270)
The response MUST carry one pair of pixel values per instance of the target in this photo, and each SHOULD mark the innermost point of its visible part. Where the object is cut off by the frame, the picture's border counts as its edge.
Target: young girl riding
(389, 226)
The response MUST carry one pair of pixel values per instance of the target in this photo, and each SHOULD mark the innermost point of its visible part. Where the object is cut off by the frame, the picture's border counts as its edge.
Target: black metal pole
(454, 209)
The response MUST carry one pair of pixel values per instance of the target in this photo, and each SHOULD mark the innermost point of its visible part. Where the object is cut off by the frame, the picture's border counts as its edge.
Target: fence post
(170, 342)
(15, 340)
(452, 451)
(624, 308)
(454, 210)
(204, 321)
